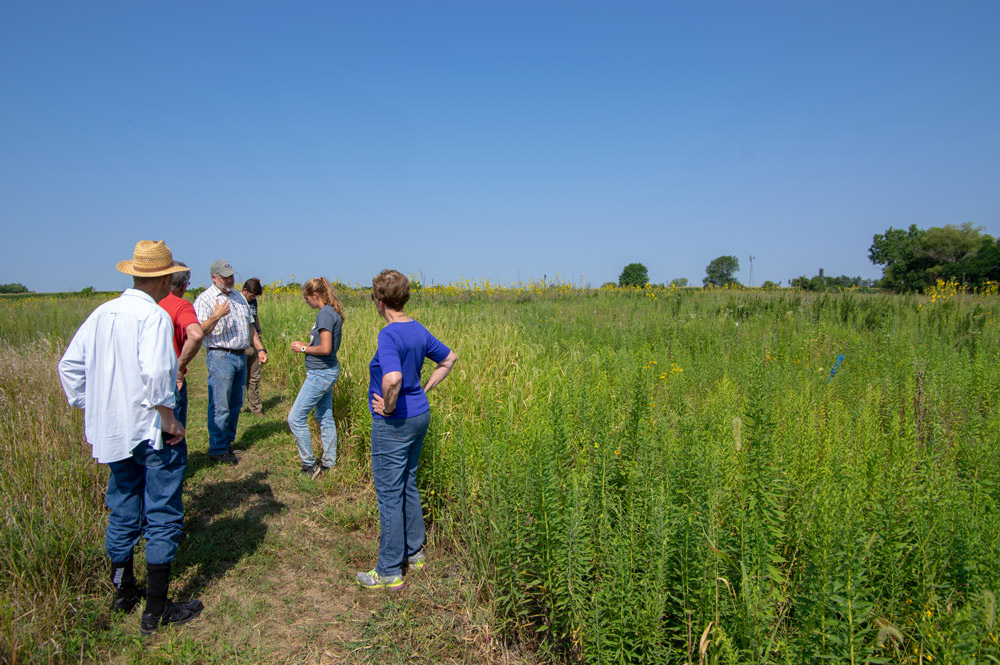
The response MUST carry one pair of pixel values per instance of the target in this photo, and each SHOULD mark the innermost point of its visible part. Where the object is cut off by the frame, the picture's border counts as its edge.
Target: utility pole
(750, 279)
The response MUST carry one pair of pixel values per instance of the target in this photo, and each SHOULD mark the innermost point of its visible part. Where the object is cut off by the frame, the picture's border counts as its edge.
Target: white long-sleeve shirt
(120, 366)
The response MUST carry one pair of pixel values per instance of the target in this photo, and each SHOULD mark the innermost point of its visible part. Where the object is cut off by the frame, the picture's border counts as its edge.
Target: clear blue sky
(502, 140)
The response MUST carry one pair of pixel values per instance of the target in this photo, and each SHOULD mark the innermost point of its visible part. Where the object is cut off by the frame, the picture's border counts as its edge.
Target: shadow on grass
(258, 432)
(226, 521)
(198, 460)
(270, 403)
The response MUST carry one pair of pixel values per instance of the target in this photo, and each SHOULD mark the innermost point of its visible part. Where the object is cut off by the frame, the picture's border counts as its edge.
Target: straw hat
(151, 258)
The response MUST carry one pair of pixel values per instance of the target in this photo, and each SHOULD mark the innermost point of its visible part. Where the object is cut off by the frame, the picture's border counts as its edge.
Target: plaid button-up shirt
(233, 330)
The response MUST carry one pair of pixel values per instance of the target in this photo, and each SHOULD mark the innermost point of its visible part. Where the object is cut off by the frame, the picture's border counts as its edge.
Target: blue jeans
(227, 375)
(316, 392)
(181, 404)
(396, 446)
(144, 497)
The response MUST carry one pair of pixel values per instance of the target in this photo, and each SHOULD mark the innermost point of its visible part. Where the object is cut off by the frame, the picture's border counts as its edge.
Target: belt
(235, 352)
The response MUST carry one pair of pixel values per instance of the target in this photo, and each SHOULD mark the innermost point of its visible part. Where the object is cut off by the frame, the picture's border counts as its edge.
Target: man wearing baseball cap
(122, 370)
(227, 323)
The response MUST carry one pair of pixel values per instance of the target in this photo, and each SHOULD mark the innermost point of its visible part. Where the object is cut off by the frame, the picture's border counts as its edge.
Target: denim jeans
(181, 404)
(316, 392)
(144, 497)
(396, 445)
(227, 375)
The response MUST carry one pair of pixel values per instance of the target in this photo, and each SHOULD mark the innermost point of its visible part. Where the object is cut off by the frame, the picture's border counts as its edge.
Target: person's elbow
(392, 380)
(195, 333)
(450, 359)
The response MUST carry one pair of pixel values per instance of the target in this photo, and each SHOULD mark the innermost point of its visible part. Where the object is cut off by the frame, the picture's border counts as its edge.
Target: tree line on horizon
(911, 260)
(721, 272)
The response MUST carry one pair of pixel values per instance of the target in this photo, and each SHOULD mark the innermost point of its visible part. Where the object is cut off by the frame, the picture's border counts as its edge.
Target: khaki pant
(253, 381)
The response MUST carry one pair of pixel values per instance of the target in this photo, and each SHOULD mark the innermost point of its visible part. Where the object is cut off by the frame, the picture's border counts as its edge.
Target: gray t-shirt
(326, 319)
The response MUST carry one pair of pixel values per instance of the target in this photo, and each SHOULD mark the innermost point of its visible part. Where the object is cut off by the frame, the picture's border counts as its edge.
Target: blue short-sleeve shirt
(402, 347)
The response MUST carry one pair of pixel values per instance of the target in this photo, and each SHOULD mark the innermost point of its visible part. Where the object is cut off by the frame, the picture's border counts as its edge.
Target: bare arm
(324, 347)
(221, 310)
(192, 344)
(259, 345)
(441, 371)
(391, 384)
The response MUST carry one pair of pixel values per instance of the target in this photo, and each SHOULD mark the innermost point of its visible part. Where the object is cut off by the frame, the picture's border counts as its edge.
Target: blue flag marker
(836, 366)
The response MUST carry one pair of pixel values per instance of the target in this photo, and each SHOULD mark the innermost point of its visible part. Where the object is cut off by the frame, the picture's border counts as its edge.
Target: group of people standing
(126, 368)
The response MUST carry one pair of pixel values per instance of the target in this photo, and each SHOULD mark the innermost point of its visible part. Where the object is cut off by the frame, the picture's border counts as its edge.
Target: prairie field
(611, 476)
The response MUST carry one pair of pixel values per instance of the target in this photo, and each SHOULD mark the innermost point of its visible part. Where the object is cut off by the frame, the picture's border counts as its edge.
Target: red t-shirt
(182, 314)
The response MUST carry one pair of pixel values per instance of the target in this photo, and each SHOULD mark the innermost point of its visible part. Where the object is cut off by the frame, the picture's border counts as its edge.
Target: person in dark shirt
(251, 290)
(322, 370)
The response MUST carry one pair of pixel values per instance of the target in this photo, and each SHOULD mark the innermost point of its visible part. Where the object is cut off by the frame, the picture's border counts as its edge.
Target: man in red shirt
(187, 334)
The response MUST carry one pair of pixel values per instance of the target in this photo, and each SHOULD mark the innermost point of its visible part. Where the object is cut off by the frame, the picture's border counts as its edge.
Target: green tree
(721, 271)
(977, 268)
(13, 288)
(679, 281)
(949, 243)
(905, 268)
(634, 274)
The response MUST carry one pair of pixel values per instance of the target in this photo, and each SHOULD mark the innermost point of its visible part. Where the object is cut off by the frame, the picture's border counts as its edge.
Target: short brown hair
(252, 286)
(392, 288)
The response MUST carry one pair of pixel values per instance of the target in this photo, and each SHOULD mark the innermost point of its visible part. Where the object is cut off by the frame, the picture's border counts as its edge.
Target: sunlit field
(622, 476)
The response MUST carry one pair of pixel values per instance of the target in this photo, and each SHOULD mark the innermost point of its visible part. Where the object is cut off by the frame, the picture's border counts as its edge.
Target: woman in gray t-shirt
(322, 370)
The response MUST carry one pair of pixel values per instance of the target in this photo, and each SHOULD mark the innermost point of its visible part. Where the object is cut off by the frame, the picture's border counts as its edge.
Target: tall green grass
(588, 459)
(636, 478)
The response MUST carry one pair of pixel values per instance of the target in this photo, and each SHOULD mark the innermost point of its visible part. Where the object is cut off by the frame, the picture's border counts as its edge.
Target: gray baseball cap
(222, 268)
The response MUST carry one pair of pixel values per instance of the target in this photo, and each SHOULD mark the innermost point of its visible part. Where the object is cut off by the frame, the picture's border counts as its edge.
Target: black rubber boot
(127, 592)
(157, 585)
(176, 614)
(159, 610)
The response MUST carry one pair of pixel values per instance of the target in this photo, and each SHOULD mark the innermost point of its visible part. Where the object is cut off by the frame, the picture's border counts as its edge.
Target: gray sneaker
(309, 470)
(416, 561)
(372, 580)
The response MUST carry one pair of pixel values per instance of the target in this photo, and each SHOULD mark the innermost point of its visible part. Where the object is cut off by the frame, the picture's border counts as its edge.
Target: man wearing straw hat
(121, 369)
(228, 325)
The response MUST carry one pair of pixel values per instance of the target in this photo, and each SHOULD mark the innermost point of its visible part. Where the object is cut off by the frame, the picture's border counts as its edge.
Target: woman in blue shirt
(322, 370)
(400, 416)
